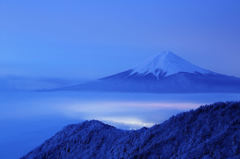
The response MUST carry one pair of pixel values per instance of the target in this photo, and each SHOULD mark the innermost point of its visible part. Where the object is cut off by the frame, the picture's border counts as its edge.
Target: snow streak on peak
(167, 63)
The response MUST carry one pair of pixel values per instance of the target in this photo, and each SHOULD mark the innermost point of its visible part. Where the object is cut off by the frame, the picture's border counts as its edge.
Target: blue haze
(81, 40)
(92, 39)
(33, 117)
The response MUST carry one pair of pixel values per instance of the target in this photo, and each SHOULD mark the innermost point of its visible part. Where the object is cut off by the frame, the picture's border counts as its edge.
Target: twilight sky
(92, 38)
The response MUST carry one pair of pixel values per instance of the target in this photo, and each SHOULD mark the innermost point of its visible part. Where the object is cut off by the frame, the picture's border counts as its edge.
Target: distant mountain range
(210, 132)
(164, 73)
(13, 83)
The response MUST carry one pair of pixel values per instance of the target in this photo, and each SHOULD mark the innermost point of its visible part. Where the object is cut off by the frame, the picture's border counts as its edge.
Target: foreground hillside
(211, 131)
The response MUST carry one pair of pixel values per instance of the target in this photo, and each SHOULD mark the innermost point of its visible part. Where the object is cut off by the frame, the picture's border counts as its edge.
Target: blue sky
(91, 39)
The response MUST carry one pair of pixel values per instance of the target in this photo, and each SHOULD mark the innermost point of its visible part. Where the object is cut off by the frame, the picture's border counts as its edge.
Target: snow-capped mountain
(165, 64)
(209, 132)
(161, 66)
(164, 73)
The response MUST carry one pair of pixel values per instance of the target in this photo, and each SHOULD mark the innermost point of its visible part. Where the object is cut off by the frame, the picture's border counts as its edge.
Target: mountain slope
(164, 73)
(209, 132)
(160, 66)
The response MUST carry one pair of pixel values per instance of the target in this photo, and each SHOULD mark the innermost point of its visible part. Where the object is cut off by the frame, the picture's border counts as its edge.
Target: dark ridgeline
(209, 132)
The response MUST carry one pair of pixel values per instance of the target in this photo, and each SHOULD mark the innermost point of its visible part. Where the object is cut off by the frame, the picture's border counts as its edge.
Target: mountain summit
(160, 66)
(164, 73)
(165, 64)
